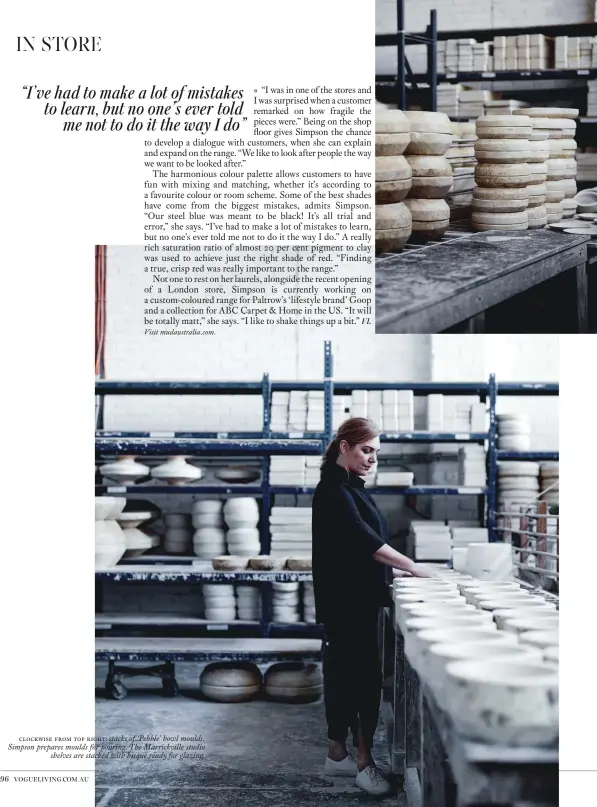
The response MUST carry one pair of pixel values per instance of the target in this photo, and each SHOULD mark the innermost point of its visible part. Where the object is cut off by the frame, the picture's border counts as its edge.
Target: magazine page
(327, 403)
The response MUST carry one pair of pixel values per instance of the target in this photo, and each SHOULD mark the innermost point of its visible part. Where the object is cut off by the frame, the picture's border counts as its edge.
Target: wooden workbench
(536, 281)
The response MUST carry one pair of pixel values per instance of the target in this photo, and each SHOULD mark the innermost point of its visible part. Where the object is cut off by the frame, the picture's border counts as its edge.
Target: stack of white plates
(395, 479)
(209, 538)
(287, 471)
(518, 483)
(308, 602)
(514, 432)
(312, 471)
(178, 534)
(285, 602)
(220, 605)
(290, 529)
(471, 466)
(248, 601)
(550, 478)
(431, 540)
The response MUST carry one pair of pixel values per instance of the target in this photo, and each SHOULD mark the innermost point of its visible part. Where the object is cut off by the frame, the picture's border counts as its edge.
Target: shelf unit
(265, 444)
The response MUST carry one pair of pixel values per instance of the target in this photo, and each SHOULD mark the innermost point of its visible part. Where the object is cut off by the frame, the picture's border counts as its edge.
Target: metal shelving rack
(264, 444)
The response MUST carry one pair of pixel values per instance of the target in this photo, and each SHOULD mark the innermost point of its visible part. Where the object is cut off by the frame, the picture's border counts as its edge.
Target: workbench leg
(582, 298)
(476, 324)
(437, 786)
(413, 717)
(399, 743)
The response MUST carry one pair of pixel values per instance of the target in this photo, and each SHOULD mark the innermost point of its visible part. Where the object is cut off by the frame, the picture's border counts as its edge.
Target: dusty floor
(256, 753)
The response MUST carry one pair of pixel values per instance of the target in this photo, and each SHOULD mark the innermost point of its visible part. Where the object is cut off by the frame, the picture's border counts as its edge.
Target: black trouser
(352, 677)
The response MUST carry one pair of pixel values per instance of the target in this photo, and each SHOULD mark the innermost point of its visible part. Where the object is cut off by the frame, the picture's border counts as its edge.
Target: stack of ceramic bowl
(124, 470)
(517, 482)
(550, 478)
(285, 602)
(430, 139)
(514, 432)
(393, 222)
(176, 471)
(179, 534)
(110, 544)
(230, 681)
(502, 173)
(242, 516)
(219, 602)
(293, 682)
(537, 189)
(248, 602)
(209, 538)
(560, 126)
(137, 541)
(308, 602)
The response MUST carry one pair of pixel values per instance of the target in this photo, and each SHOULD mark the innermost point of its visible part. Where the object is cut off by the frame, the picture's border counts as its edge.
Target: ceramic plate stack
(518, 483)
(472, 470)
(315, 411)
(502, 173)
(279, 411)
(219, 602)
(312, 471)
(124, 470)
(287, 471)
(230, 681)
(209, 538)
(110, 544)
(561, 167)
(248, 603)
(430, 540)
(285, 602)
(550, 478)
(290, 529)
(391, 478)
(176, 471)
(393, 222)
(179, 533)
(514, 432)
(293, 682)
(308, 603)
(430, 139)
(447, 99)
(539, 154)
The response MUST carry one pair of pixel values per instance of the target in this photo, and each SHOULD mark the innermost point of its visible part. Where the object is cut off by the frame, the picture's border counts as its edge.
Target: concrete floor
(256, 753)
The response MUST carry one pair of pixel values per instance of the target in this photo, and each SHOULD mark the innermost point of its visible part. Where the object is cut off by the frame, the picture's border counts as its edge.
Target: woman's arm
(390, 557)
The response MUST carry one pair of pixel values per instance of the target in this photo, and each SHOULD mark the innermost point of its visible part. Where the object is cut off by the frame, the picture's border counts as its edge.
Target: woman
(350, 561)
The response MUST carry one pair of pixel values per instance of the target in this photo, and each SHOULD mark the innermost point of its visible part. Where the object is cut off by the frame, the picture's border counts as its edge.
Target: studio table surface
(430, 289)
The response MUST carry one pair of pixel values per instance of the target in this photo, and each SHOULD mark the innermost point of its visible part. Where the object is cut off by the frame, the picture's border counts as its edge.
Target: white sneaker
(371, 781)
(346, 767)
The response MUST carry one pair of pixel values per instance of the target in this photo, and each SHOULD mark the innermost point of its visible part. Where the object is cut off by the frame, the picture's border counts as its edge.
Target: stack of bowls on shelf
(137, 541)
(219, 602)
(242, 517)
(502, 173)
(308, 602)
(461, 156)
(285, 604)
(560, 126)
(430, 139)
(209, 538)
(550, 478)
(514, 432)
(248, 601)
(179, 533)
(124, 470)
(110, 544)
(518, 483)
(230, 681)
(393, 222)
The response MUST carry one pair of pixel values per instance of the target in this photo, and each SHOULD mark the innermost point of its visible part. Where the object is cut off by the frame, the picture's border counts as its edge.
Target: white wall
(464, 14)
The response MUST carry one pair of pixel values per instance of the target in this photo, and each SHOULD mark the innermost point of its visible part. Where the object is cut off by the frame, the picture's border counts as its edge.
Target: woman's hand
(400, 573)
(420, 571)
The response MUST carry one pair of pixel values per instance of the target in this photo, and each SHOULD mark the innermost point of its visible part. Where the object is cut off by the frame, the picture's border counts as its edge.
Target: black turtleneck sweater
(348, 529)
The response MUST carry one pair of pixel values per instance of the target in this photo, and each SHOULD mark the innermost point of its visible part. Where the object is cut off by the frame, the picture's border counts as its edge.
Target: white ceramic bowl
(520, 624)
(108, 508)
(539, 639)
(502, 614)
(207, 506)
(506, 702)
(433, 631)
